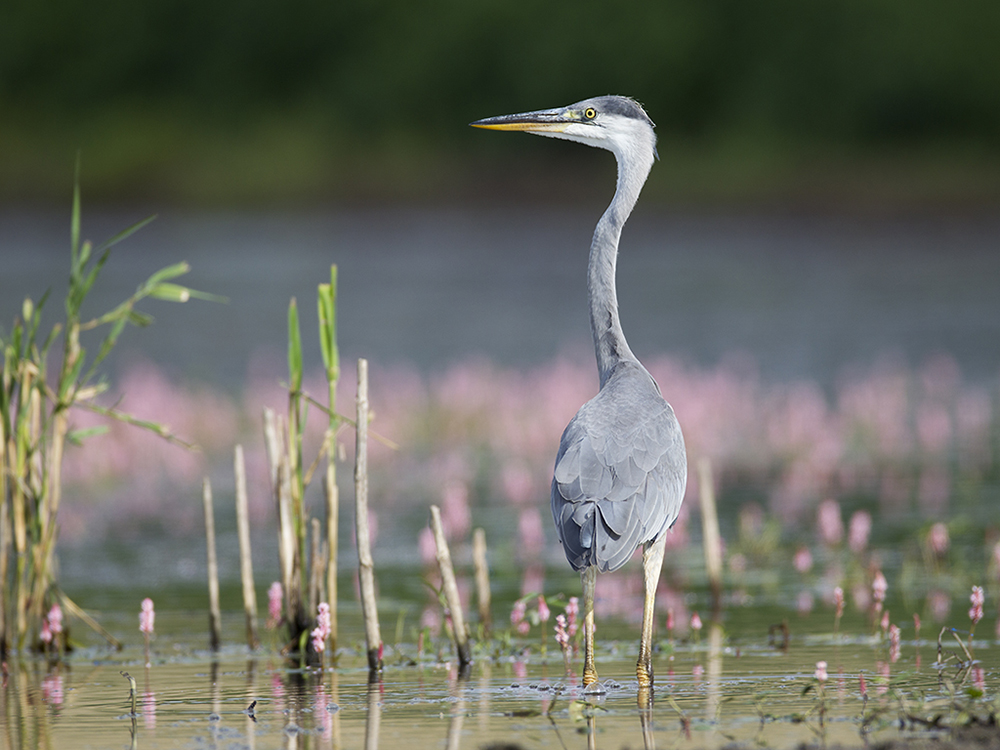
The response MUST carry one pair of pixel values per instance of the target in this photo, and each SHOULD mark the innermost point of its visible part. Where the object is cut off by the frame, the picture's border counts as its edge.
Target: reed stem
(451, 589)
(246, 560)
(214, 613)
(366, 567)
(482, 580)
(710, 531)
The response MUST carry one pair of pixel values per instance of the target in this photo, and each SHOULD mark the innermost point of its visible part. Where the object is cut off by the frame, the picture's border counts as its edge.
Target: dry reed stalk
(710, 530)
(214, 613)
(366, 567)
(482, 579)
(74, 609)
(332, 522)
(451, 589)
(317, 566)
(246, 561)
(274, 433)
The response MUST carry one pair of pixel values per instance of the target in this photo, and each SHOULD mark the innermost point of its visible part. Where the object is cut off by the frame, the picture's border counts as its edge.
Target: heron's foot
(644, 673)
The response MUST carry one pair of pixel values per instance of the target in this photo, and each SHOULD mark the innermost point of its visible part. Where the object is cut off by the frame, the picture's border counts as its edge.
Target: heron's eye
(590, 113)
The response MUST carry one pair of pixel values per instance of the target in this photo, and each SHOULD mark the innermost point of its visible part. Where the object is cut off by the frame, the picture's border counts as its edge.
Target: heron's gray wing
(620, 472)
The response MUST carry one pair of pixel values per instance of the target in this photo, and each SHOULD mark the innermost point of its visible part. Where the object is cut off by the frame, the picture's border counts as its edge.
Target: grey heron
(621, 469)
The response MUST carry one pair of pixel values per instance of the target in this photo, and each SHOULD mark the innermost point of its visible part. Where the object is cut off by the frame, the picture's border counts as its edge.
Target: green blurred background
(852, 103)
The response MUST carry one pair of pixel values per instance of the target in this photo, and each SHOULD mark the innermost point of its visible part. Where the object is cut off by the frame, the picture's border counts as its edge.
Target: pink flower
(55, 618)
(977, 599)
(879, 588)
(821, 674)
(562, 635)
(831, 527)
(695, 622)
(862, 686)
(46, 634)
(275, 594)
(885, 621)
(543, 610)
(520, 624)
(146, 617)
(860, 529)
(937, 539)
(572, 610)
(803, 560)
(322, 630)
(838, 601)
(894, 643)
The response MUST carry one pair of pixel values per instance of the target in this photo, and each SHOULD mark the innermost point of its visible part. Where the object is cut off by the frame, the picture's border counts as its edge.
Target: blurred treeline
(256, 100)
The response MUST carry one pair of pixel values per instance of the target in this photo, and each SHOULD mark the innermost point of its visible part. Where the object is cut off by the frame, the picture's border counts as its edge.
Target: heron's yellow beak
(542, 121)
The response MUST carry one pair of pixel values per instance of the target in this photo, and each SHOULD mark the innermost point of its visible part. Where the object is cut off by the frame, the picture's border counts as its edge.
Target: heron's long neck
(610, 345)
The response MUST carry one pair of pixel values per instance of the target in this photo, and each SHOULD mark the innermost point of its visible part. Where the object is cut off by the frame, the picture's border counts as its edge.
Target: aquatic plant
(147, 620)
(36, 406)
(309, 572)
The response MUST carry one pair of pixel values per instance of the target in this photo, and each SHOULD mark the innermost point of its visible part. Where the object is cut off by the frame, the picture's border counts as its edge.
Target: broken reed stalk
(214, 614)
(450, 589)
(710, 530)
(482, 579)
(246, 561)
(366, 567)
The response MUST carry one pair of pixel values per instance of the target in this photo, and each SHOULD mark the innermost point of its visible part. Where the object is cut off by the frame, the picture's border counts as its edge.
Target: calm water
(803, 296)
(733, 683)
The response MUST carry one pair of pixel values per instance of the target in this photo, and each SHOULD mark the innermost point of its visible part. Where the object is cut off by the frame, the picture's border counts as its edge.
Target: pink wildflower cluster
(52, 625)
(977, 599)
(517, 619)
(821, 673)
(322, 630)
(572, 612)
(147, 617)
(838, 602)
(859, 530)
(543, 610)
(894, 643)
(275, 597)
(879, 588)
(562, 632)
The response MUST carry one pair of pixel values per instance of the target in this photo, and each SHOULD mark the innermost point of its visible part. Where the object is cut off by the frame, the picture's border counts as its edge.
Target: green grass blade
(74, 223)
(127, 232)
(294, 348)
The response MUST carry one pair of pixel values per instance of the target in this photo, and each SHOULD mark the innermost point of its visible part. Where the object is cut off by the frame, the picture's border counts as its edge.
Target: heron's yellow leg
(652, 562)
(589, 577)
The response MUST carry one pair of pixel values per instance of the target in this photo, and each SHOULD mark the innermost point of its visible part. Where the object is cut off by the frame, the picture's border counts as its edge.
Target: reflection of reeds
(35, 409)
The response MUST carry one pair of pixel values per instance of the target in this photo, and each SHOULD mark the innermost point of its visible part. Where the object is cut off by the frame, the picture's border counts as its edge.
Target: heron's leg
(589, 577)
(652, 562)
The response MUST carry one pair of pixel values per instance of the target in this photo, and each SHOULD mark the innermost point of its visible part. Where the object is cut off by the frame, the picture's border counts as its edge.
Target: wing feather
(620, 472)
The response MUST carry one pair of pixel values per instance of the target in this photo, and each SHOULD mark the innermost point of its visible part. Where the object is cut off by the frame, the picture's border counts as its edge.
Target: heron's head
(616, 123)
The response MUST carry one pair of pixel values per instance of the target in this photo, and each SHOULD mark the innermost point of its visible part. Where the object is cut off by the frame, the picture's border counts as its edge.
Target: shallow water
(736, 681)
